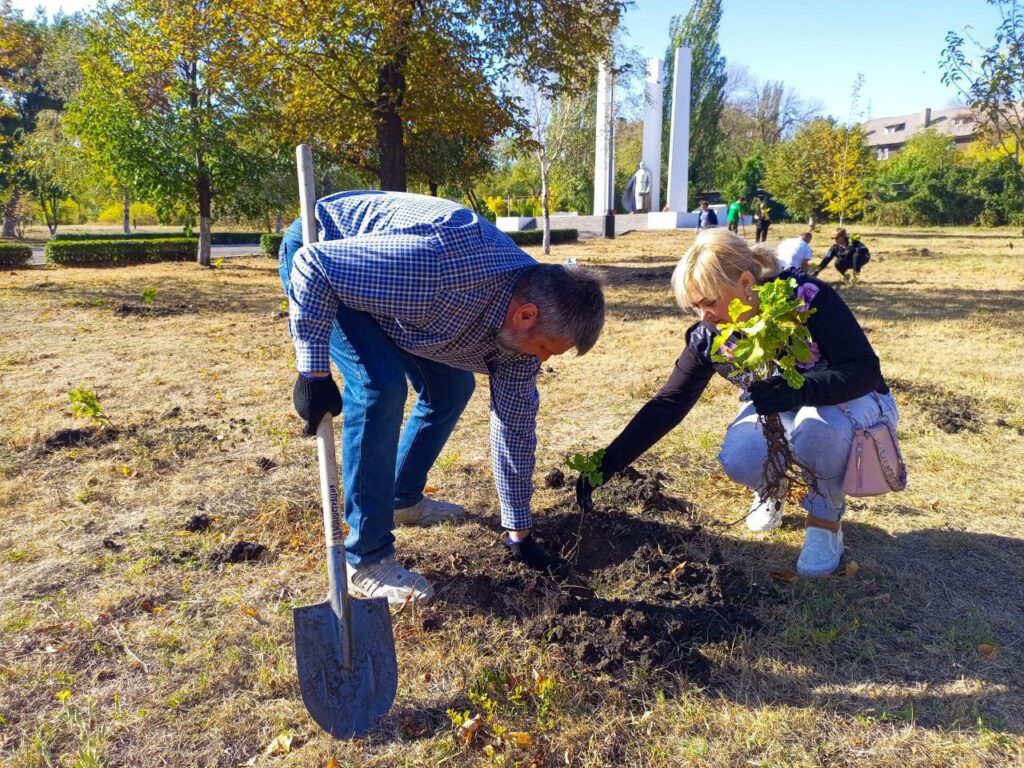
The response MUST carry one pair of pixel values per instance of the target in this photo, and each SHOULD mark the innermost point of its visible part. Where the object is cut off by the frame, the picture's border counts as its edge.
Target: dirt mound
(949, 411)
(640, 593)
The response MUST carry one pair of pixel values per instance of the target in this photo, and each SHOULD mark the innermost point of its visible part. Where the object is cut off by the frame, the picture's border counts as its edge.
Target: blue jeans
(819, 435)
(383, 465)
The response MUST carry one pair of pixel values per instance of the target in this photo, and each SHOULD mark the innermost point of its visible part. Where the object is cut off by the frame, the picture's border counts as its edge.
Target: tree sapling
(588, 464)
(85, 405)
(773, 342)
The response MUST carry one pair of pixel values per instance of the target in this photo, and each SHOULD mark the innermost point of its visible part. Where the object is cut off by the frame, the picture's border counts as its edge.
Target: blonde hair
(717, 259)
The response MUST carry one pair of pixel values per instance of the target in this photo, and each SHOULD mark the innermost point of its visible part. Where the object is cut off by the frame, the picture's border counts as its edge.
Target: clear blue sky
(819, 46)
(816, 46)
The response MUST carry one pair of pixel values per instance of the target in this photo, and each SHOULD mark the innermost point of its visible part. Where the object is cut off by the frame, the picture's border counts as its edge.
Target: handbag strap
(896, 481)
(857, 426)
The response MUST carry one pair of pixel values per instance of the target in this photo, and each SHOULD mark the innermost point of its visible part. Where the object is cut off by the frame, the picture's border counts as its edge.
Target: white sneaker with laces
(821, 553)
(428, 511)
(387, 578)
(765, 514)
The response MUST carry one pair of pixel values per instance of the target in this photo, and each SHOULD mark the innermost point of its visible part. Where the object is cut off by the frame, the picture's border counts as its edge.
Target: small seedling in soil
(85, 405)
(219, 263)
(149, 295)
(588, 464)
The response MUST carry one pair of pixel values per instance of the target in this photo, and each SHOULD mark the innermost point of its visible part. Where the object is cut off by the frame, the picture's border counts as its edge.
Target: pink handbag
(875, 465)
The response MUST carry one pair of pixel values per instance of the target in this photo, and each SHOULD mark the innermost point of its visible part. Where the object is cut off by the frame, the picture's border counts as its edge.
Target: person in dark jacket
(762, 221)
(719, 267)
(850, 256)
(706, 218)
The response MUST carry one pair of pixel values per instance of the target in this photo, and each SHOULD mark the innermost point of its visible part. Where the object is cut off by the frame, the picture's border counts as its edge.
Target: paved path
(216, 252)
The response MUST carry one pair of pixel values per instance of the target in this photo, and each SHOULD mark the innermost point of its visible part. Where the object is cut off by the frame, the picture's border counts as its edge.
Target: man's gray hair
(569, 300)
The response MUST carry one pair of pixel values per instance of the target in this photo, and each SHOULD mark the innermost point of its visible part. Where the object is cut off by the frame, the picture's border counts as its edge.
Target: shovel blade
(346, 702)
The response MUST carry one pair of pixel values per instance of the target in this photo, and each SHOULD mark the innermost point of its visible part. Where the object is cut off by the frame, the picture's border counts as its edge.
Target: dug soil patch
(949, 411)
(640, 595)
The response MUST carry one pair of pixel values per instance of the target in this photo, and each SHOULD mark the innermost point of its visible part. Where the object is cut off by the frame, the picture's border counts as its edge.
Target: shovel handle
(330, 498)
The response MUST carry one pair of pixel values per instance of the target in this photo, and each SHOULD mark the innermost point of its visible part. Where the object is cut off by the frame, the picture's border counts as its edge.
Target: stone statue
(642, 188)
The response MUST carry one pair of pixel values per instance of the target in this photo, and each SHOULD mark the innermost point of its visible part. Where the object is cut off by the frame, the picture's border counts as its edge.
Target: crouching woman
(718, 268)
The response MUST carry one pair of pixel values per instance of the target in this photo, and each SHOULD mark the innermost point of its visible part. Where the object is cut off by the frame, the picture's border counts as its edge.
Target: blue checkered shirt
(437, 279)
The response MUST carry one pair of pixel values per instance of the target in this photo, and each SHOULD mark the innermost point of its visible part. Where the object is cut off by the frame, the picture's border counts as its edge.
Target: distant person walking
(706, 218)
(795, 252)
(849, 255)
(763, 218)
(734, 214)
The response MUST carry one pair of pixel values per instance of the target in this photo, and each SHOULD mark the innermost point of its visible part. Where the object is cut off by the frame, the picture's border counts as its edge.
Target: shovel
(344, 648)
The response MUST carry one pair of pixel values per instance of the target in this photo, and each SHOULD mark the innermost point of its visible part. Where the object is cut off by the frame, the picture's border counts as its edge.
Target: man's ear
(524, 318)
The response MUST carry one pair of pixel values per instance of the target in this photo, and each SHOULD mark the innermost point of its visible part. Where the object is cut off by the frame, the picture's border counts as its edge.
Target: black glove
(585, 494)
(314, 398)
(774, 395)
(533, 553)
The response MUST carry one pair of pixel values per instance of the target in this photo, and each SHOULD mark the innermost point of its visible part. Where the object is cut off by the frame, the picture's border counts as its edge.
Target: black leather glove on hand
(314, 398)
(585, 494)
(774, 395)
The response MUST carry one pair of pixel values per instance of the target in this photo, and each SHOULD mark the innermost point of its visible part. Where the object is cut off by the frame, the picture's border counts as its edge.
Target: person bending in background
(795, 252)
(850, 256)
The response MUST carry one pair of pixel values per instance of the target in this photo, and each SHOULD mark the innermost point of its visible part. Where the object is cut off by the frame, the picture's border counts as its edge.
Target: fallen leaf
(851, 569)
(521, 738)
(677, 569)
(469, 728)
(249, 611)
(430, 489)
(785, 576)
(332, 763)
(988, 650)
(281, 745)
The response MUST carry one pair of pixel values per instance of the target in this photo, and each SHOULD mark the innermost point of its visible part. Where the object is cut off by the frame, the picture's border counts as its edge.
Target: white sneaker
(765, 515)
(386, 578)
(428, 511)
(821, 552)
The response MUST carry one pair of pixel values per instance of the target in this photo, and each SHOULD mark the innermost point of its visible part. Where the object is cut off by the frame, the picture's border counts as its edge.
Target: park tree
(159, 104)
(823, 169)
(698, 30)
(357, 78)
(23, 95)
(55, 164)
(990, 76)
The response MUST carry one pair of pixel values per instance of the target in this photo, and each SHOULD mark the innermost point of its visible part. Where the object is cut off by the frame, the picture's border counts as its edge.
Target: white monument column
(652, 130)
(604, 157)
(679, 141)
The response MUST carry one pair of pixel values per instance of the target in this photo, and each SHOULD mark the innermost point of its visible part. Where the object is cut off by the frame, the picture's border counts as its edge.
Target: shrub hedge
(14, 254)
(216, 238)
(536, 236)
(119, 252)
(270, 244)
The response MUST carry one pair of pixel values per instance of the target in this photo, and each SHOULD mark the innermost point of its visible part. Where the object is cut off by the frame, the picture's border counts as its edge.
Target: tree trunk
(390, 95)
(544, 168)
(127, 220)
(11, 214)
(204, 190)
(433, 189)
(278, 222)
(50, 213)
(390, 140)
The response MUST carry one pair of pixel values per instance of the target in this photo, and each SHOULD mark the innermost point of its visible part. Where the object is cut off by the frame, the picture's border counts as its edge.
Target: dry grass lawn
(125, 641)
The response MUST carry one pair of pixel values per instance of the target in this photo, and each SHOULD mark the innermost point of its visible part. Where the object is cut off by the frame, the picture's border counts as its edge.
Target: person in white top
(796, 252)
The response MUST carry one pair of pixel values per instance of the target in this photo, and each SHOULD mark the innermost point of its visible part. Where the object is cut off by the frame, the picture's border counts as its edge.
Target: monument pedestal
(515, 223)
(671, 220)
